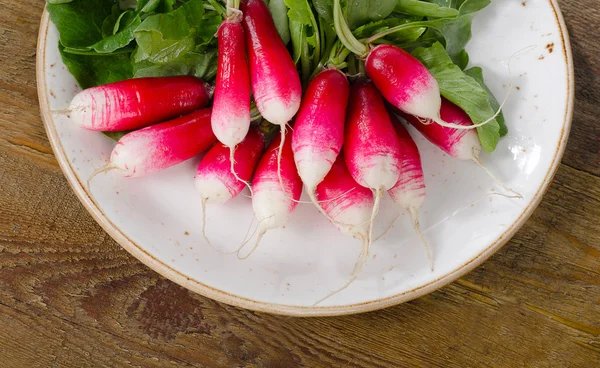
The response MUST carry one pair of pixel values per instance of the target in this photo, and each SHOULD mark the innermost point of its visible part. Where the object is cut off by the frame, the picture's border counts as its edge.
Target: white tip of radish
(379, 172)
(278, 113)
(468, 147)
(354, 220)
(213, 191)
(231, 130)
(82, 106)
(312, 171)
(271, 207)
(426, 104)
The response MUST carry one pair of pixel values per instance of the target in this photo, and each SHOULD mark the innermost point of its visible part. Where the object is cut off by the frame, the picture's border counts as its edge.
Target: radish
(214, 178)
(160, 146)
(275, 81)
(458, 143)
(231, 106)
(409, 191)
(319, 128)
(403, 80)
(277, 188)
(372, 148)
(349, 205)
(136, 103)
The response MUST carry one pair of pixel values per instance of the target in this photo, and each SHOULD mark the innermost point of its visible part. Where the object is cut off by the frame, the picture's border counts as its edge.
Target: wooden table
(71, 297)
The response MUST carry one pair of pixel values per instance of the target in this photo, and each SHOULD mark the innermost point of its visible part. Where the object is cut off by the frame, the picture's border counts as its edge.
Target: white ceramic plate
(158, 218)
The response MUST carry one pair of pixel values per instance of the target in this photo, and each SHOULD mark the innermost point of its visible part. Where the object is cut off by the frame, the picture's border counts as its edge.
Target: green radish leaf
(425, 9)
(400, 38)
(80, 22)
(115, 135)
(325, 10)
(201, 65)
(462, 90)
(359, 12)
(477, 74)
(114, 42)
(109, 22)
(279, 13)
(162, 38)
(94, 70)
(304, 32)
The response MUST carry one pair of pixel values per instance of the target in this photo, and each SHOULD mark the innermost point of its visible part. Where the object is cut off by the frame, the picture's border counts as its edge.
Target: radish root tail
(415, 217)
(366, 246)
(108, 167)
(279, 152)
(358, 266)
(258, 239)
(388, 228)
(232, 161)
(491, 175)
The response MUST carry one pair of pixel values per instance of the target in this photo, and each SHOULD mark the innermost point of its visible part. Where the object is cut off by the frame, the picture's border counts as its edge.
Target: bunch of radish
(347, 146)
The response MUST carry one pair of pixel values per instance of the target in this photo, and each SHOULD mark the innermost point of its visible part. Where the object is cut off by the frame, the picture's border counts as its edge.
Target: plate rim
(290, 310)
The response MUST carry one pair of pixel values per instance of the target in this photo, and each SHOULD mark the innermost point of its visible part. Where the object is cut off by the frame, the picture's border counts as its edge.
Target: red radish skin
(214, 179)
(409, 191)
(273, 202)
(319, 127)
(136, 103)
(458, 143)
(275, 82)
(349, 205)
(231, 105)
(163, 145)
(404, 82)
(373, 153)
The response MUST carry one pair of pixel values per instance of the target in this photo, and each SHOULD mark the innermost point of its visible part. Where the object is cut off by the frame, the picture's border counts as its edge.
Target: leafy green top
(103, 41)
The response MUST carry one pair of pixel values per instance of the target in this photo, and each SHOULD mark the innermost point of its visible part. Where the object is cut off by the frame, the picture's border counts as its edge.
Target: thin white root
(108, 167)
(61, 112)
(358, 266)
(258, 239)
(389, 227)
(478, 162)
(232, 161)
(364, 255)
(282, 129)
(378, 194)
(415, 217)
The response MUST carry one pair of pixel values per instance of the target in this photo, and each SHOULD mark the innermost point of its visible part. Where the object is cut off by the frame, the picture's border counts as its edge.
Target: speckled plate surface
(158, 218)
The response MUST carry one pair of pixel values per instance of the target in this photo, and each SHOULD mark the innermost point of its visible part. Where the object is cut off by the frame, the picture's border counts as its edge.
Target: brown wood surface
(71, 297)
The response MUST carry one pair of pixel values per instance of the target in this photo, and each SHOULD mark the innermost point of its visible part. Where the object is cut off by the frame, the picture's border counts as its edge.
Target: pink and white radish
(276, 191)
(409, 191)
(231, 106)
(403, 80)
(371, 147)
(275, 81)
(214, 178)
(349, 206)
(160, 146)
(458, 143)
(136, 103)
(319, 127)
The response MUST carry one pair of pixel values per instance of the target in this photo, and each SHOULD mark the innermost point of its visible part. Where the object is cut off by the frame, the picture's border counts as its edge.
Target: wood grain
(71, 297)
